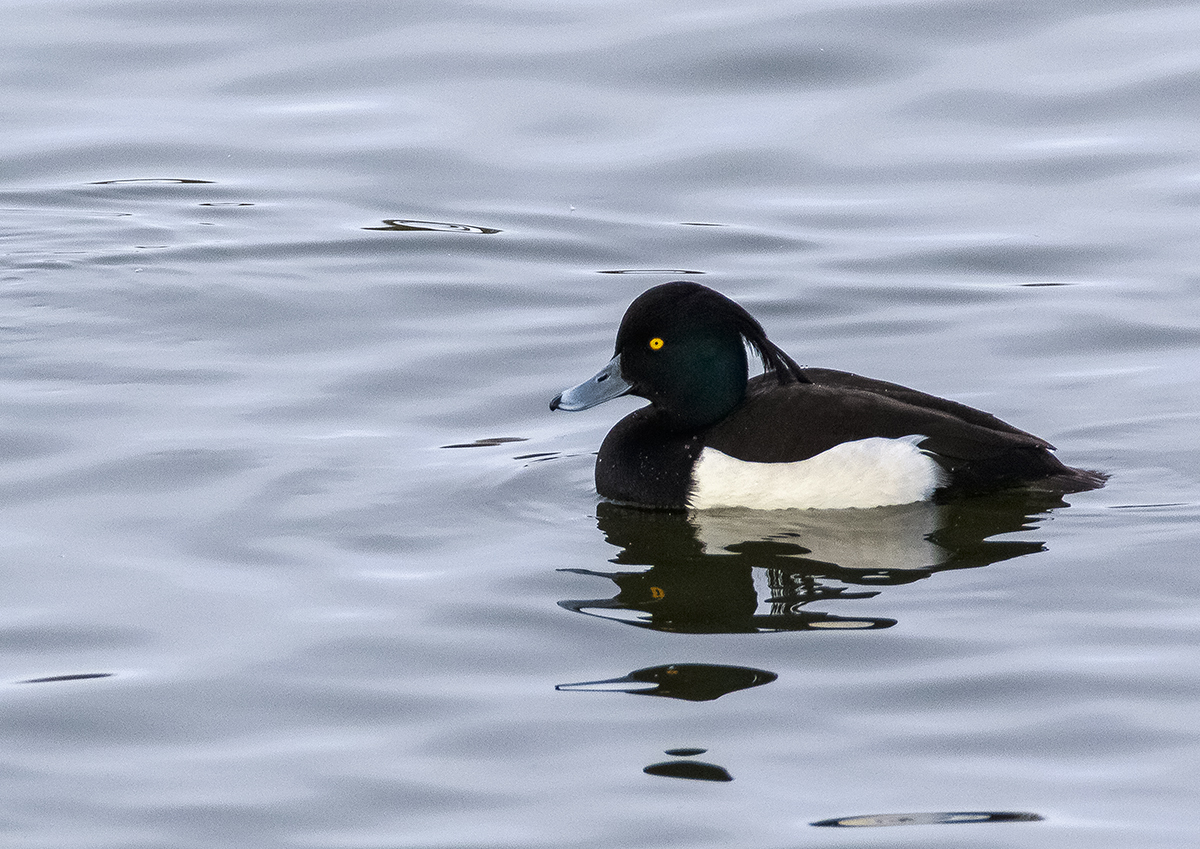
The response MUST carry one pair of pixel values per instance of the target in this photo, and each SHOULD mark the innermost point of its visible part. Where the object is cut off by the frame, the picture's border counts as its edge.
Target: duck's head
(682, 346)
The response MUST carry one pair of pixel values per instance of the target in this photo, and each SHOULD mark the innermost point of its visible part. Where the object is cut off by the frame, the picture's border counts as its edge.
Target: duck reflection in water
(746, 571)
(693, 682)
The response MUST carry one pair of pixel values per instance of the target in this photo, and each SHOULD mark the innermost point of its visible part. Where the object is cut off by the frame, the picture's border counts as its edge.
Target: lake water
(295, 555)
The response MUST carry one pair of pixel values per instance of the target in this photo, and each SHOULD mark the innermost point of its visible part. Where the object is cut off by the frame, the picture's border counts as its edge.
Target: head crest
(711, 302)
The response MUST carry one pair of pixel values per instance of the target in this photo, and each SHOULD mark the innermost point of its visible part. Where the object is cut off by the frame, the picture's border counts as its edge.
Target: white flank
(872, 472)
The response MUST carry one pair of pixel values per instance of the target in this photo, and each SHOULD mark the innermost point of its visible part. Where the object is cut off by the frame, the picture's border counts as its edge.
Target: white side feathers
(871, 472)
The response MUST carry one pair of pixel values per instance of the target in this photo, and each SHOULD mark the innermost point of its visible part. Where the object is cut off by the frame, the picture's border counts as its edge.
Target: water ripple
(412, 224)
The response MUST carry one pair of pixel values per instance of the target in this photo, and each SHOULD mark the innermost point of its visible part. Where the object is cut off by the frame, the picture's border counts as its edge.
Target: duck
(791, 437)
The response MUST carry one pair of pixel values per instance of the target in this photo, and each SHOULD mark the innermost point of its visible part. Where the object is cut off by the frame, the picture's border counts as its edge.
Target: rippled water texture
(293, 553)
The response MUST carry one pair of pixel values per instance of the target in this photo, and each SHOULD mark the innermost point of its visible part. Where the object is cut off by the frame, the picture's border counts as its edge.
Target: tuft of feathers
(710, 302)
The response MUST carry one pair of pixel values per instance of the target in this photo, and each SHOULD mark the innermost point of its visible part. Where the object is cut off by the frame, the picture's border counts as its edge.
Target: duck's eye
(656, 344)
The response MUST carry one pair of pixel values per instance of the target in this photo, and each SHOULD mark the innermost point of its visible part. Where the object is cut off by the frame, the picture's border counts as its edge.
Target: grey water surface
(294, 554)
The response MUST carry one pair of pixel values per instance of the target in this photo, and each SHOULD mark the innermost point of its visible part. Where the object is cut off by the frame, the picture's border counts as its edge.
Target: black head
(682, 346)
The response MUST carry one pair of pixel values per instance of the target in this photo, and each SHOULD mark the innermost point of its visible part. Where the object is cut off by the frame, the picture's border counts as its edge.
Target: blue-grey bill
(606, 385)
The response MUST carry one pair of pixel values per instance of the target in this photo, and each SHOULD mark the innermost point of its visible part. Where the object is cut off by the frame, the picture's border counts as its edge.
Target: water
(262, 262)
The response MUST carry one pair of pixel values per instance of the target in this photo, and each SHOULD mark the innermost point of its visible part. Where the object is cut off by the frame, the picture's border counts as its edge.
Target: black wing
(795, 421)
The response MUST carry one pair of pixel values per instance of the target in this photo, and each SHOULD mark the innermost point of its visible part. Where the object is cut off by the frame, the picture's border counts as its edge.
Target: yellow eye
(656, 344)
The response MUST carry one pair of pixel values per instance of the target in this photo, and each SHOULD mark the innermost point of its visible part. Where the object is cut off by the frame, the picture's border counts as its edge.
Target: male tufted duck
(791, 437)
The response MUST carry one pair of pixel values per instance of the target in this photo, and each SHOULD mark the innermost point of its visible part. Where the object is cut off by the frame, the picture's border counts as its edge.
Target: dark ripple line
(413, 224)
(1148, 506)
(488, 442)
(928, 818)
(148, 180)
(79, 676)
(649, 271)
